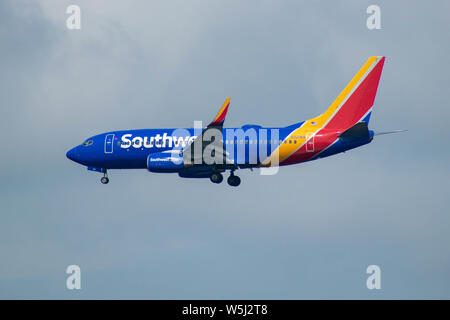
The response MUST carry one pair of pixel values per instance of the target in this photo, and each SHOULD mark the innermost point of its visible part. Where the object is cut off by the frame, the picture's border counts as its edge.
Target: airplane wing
(211, 137)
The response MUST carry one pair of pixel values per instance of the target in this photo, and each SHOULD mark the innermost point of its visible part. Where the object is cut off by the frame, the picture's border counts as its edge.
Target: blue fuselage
(129, 149)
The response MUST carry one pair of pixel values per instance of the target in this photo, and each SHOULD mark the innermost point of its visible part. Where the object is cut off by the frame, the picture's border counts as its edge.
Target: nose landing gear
(105, 178)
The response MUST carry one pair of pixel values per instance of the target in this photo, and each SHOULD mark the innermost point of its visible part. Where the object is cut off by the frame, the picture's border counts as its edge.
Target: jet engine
(165, 162)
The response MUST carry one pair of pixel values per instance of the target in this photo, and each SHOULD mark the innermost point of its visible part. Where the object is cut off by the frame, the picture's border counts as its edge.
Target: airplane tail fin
(354, 104)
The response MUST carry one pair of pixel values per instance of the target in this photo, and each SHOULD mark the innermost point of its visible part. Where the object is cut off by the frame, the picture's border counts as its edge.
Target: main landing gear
(105, 178)
(232, 180)
(216, 177)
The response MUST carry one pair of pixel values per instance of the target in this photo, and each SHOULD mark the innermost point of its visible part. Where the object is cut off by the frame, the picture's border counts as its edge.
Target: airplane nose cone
(72, 155)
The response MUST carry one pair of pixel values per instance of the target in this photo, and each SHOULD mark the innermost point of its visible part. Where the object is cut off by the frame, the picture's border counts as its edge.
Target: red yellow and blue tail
(354, 104)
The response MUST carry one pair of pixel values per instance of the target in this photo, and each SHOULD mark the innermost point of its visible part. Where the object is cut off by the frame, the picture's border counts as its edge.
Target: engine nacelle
(165, 162)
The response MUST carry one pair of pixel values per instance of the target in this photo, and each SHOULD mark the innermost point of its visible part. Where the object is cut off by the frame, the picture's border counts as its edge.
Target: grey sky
(308, 232)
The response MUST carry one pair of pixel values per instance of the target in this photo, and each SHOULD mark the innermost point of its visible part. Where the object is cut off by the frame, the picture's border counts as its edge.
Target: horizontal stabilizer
(359, 130)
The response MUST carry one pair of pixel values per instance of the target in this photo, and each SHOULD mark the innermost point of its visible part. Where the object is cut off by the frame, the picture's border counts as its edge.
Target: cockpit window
(87, 143)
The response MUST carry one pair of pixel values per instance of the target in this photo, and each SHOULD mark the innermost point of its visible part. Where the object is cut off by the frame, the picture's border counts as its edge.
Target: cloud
(308, 232)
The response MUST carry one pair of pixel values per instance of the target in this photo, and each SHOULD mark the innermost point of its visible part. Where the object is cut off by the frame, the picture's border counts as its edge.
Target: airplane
(208, 152)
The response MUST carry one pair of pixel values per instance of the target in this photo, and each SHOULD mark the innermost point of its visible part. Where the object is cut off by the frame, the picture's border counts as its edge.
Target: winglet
(220, 118)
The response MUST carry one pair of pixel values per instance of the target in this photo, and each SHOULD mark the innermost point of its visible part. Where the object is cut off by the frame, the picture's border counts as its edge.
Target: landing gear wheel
(216, 177)
(104, 180)
(234, 181)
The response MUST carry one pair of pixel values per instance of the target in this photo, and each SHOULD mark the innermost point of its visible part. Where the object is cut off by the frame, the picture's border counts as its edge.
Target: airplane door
(310, 142)
(109, 145)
